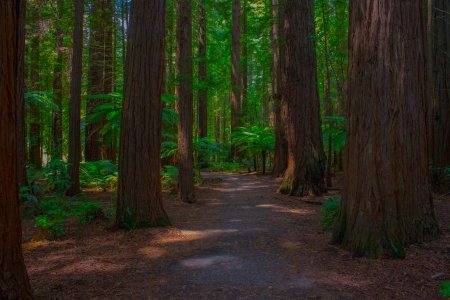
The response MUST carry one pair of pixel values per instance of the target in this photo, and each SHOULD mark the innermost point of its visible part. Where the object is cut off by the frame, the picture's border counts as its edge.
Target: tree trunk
(306, 157)
(439, 106)
(57, 87)
(139, 202)
(244, 66)
(278, 95)
(20, 95)
(93, 143)
(236, 76)
(386, 201)
(75, 102)
(14, 281)
(185, 101)
(202, 73)
(264, 162)
(35, 116)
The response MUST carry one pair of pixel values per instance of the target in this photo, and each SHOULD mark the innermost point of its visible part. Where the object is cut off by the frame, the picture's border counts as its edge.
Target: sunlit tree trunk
(244, 65)
(139, 202)
(185, 101)
(306, 157)
(279, 108)
(14, 283)
(386, 201)
(75, 102)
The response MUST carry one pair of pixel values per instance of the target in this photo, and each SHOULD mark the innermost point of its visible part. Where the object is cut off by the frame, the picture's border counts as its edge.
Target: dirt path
(239, 241)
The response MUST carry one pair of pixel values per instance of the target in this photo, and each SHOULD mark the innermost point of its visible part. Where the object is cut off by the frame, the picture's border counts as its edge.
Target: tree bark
(386, 201)
(185, 101)
(202, 73)
(93, 140)
(139, 202)
(14, 283)
(75, 102)
(279, 108)
(236, 74)
(306, 155)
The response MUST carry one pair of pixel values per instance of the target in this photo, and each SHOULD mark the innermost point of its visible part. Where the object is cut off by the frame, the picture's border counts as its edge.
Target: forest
(224, 149)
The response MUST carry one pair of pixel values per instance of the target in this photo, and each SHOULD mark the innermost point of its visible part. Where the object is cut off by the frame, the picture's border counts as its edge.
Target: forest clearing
(224, 149)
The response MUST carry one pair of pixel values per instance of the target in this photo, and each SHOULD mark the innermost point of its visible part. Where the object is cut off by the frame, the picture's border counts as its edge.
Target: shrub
(53, 215)
(88, 211)
(330, 212)
(445, 291)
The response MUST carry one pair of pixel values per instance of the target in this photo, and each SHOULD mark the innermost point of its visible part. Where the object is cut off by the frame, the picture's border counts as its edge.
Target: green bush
(88, 211)
(102, 173)
(445, 288)
(330, 212)
(53, 215)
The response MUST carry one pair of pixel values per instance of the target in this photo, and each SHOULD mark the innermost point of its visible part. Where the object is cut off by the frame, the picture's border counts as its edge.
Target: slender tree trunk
(202, 72)
(279, 106)
(93, 144)
(244, 65)
(185, 102)
(306, 155)
(57, 87)
(236, 74)
(75, 102)
(139, 202)
(20, 94)
(14, 283)
(386, 202)
(35, 115)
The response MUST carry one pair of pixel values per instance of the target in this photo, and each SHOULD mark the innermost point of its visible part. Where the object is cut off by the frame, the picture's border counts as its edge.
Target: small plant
(52, 217)
(330, 212)
(445, 291)
(88, 211)
(169, 176)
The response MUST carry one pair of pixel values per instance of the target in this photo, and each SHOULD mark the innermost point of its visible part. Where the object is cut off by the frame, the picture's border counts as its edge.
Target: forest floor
(241, 240)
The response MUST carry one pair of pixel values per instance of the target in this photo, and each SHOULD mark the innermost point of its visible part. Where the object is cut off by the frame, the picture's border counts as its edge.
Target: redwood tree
(14, 283)
(185, 101)
(306, 156)
(75, 102)
(139, 202)
(202, 72)
(236, 80)
(386, 201)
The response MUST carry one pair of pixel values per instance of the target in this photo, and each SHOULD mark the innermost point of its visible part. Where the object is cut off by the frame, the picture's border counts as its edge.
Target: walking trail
(241, 240)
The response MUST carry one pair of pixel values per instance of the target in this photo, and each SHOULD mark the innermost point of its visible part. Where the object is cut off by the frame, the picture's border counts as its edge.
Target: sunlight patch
(207, 261)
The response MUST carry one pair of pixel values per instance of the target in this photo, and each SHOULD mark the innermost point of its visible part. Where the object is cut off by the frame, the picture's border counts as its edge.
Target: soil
(241, 240)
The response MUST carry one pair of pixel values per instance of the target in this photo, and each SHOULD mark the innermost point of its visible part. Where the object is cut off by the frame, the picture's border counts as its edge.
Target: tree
(236, 80)
(14, 281)
(439, 104)
(306, 155)
(185, 101)
(386, 201)
(139, 202)
(278, 96)
(75, 102)
(202, 72)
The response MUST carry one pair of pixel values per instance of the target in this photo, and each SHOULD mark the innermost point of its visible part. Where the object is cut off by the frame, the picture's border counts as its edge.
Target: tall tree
(35, 151)
(14, 281)
(439, 104)
(139, 202)
(386, 202)
(202, 72)
(75, 101)
(236, 76)
(306, 155)
(93, 143)
(185, 101)
(57, 85)
(278, 111)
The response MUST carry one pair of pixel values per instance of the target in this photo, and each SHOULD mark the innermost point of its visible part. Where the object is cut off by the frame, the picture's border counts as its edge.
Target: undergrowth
(445, 291)
(330, 212)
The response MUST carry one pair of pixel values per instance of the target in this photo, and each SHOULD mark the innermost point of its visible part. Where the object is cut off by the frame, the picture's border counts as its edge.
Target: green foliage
(87, 211)
(227, 167)
(102, 173)
(54, 214)
(330, 212)
(42, 100)
(254, 140)
(445, 291)
(53, 178)
(169, 176)
(336, 128)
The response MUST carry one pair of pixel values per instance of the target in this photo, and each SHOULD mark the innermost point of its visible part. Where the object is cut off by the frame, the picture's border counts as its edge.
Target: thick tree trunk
(202, 72)
(75, 102)
(93, 143)
(306, 157)
(57, 88)
(139, 202)
(185, 101)
(386, 202)
(35, 115)
(20, 95)
(14, 283)
(279, 108)
(236, 76)
(439, 106)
